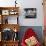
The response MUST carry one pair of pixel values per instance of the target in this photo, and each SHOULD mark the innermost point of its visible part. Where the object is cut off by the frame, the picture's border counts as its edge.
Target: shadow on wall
(37, 29)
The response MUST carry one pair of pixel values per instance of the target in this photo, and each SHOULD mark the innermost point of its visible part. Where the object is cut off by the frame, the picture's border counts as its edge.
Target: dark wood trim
(5, 8)
(11, 26)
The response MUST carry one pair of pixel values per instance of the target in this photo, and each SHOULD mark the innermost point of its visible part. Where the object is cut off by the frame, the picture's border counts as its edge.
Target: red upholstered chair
(29, 33)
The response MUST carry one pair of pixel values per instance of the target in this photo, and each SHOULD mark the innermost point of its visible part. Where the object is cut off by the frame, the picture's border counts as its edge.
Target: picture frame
(30, 12)
(5, 12)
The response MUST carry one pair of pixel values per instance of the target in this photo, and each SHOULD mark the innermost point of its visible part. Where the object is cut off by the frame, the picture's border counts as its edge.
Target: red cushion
(29, 33)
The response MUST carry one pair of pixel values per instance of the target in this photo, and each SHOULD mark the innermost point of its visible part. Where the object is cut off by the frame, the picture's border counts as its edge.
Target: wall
(32, 4)
(7, 3)
(27, 4)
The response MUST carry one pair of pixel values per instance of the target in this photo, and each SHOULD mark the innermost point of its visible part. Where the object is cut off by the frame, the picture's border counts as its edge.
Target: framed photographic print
(30, 12)
(5, 12)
